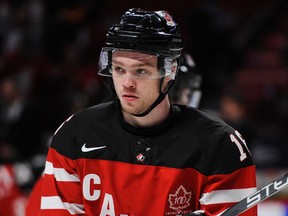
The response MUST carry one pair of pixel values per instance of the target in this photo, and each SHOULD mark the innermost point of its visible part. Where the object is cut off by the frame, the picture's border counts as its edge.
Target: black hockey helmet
(188, 78)
(151, 32)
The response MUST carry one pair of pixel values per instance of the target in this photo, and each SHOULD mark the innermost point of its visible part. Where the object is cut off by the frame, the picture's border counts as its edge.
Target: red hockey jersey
(100, 165)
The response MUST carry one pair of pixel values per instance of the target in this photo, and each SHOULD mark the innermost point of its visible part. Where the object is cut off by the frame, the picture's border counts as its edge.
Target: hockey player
(140, 155)
(186, 90)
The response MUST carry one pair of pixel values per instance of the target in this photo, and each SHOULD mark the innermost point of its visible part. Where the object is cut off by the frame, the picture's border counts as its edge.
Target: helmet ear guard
(173, 69)
(105, 61)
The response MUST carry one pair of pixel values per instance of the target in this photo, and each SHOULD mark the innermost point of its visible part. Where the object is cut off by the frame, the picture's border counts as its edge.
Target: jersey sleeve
(232, 176)
(61, 190)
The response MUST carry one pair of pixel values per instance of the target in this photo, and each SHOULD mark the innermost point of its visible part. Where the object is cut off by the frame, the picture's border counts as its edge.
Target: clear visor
(148, 65)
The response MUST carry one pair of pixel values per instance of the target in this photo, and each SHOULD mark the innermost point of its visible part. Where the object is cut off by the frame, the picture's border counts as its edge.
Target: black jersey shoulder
(218, 153)
(202, 121)
(80, 122)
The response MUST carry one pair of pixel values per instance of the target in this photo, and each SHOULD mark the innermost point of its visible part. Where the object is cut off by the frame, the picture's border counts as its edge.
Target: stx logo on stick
(257, 197)
(266, 191)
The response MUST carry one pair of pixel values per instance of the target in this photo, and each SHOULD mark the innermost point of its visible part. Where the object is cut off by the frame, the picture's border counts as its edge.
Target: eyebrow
(146, 63)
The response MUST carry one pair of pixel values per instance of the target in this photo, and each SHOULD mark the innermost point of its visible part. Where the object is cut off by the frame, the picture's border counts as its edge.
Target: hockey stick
(257, 197)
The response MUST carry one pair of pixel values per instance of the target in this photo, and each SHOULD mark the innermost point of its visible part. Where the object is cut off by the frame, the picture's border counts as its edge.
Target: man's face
(136, 80)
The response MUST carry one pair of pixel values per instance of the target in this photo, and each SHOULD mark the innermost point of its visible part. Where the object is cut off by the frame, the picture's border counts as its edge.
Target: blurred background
(48, 70)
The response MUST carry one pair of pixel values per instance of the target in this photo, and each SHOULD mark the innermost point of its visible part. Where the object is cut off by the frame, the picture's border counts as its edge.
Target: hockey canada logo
(180, 199)
(140, 157)
(167, 17)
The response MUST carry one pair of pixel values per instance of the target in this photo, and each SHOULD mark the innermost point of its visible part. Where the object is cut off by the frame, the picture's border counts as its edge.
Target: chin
(130, 110)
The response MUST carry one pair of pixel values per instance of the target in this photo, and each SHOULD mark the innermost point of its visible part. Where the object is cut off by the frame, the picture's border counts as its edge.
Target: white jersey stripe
(63, 124)
(225, 196)
(55, 202)
(60, 173)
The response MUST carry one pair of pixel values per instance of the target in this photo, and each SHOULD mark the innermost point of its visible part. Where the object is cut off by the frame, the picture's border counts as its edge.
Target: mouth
(129, 97)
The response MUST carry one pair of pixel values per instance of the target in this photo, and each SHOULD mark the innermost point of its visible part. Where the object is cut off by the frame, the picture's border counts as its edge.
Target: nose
(129, 81)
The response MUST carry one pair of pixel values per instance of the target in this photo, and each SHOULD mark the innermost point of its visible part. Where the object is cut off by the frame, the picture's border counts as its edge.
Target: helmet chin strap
(159, 99)
(156, 102)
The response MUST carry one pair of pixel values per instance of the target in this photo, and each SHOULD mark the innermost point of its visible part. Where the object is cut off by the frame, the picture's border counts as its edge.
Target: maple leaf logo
(180, 199)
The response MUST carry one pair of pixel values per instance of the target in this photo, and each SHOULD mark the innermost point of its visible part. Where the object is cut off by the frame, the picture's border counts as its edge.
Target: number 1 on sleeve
(243, 155)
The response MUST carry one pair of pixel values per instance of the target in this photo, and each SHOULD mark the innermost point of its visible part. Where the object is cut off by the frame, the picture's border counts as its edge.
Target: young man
(139, 155)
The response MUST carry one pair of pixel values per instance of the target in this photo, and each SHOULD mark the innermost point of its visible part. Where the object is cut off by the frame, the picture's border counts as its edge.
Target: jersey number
(243, 155)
